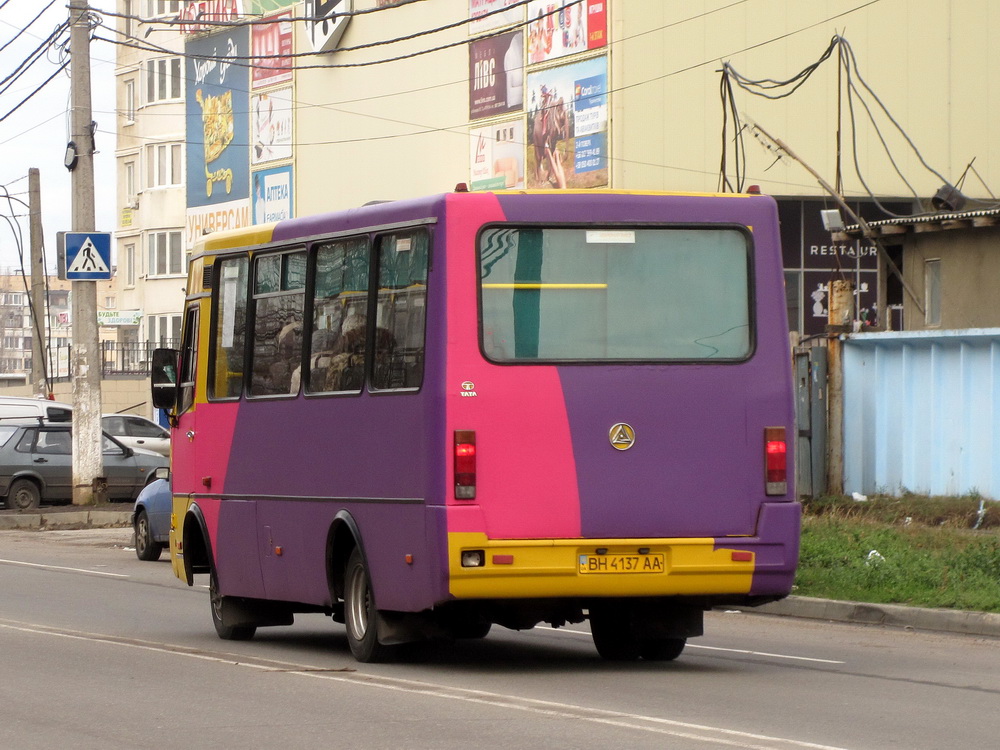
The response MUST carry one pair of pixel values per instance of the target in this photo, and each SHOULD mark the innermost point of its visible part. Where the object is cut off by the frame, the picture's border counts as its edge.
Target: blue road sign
(88, 256)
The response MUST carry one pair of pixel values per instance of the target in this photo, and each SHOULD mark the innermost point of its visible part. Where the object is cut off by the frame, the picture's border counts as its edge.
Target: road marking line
(60, 567)
(729, 650)
(638, 722)
(765, 653)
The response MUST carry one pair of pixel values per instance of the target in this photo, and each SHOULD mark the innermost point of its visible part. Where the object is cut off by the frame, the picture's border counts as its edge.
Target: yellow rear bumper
(535, 568)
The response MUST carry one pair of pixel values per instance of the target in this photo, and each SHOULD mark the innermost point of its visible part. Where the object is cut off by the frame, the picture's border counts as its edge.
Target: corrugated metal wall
(922, 412)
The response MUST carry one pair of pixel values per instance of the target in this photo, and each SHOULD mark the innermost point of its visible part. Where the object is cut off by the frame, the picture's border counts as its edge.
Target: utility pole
(85, 364)
(39, 379)
(839, 316)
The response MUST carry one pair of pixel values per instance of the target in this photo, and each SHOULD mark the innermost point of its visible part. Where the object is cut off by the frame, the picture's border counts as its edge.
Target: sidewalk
(987, 624)
(889, 615)
(68, 517)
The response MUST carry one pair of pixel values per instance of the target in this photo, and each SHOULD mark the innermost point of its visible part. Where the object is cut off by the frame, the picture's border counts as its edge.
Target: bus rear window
(643, 293)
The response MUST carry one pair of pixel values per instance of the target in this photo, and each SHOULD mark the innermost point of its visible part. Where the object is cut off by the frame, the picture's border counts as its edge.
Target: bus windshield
(640, 293)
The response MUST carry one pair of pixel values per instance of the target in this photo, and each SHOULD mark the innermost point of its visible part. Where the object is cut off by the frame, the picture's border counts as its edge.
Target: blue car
(151, 520)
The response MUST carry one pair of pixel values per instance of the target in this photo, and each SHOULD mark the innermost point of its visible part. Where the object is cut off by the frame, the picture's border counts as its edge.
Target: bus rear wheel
(360, 614)
(225, 632)
(614, 630)
(661, 649)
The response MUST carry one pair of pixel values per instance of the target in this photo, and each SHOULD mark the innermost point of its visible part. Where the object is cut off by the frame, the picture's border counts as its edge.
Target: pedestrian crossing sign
(88, 256)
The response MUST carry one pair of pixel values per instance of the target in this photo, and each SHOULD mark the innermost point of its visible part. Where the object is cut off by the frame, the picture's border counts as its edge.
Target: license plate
(621, 563)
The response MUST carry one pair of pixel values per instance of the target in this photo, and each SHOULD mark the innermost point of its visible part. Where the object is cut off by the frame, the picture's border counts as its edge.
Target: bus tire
(225, 632)
(613, 634)
(661, 649)
(145, 547)
(471, 630)
(360, 614)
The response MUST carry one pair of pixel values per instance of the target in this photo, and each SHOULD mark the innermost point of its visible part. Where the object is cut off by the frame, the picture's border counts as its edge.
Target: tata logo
(468, 389)
(622, 436)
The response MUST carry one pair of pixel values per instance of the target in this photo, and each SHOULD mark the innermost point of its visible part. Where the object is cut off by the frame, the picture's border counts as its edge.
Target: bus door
(199, 456)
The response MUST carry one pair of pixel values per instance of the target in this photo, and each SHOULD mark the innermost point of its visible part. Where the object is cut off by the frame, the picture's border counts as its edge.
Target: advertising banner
(497, 156)
(485, 15)
(217, 114)
(564, 27)
(496, 75)
(271, 126)
(272, 195)
(567, 126)
(202, 220)
(272, 45)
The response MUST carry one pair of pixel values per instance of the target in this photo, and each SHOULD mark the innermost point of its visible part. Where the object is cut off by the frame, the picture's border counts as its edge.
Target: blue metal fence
(922, 412)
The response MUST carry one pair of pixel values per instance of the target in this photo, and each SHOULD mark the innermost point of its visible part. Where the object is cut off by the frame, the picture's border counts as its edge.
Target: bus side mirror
(163, 374)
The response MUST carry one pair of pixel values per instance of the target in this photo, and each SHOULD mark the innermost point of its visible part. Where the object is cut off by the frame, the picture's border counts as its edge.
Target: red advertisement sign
(271, 50)
(564, 27)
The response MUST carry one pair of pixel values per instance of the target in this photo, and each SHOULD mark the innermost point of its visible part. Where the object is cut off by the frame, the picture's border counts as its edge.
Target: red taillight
(465, 465)
(775, 460)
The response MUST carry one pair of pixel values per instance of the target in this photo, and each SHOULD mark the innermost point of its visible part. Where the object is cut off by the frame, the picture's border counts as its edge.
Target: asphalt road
(99, 650)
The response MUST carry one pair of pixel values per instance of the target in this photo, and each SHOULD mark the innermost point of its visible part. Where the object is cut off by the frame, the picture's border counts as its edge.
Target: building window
(129, 102)
(166, 256)
(130, 265)
(932, 292)
(128, 23)
(162, 7)
(163, 165)
(129, 182)
(164, 330)
(163, 79)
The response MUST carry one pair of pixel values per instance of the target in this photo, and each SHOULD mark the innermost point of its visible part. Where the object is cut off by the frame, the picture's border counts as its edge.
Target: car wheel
(360, 613)
(225, 632)
(145, 547)
(23, 495)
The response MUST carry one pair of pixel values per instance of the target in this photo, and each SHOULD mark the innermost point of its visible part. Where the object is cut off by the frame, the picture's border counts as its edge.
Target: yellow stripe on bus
(527, 568)
(521, 285)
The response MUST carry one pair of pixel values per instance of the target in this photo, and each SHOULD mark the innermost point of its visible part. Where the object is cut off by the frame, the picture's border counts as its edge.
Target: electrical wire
(248, 61)
(32, 57)
(38, 330)
(847, 64)
(26, 26)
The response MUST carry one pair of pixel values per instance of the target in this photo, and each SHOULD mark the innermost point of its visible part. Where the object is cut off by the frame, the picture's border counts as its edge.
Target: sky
(35, 135)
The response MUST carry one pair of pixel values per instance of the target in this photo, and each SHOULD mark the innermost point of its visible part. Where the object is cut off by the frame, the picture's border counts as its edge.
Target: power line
(28, 25)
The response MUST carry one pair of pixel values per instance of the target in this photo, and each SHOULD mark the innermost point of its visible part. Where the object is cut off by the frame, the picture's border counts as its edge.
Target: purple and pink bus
(427, 417)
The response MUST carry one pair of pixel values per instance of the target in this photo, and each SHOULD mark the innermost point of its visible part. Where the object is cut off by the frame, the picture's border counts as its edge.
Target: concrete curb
(66, 519)
(894, 615)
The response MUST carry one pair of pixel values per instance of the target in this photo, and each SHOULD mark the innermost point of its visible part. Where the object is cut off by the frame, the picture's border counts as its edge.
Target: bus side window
(401, 311)
(278, 301)
(229, 333)
(336, 357)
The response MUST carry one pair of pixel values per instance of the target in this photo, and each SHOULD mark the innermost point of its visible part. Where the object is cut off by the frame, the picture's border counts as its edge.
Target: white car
(129, 429)
(137, 432)
(19, 408)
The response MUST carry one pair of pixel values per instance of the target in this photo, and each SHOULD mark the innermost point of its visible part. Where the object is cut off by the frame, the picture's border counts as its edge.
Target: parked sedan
(137, 432)
(36, 464)
(151, 520)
